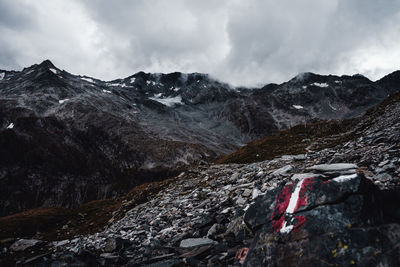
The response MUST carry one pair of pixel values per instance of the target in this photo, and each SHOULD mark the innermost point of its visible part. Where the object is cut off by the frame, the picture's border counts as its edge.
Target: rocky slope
(68, 139)
(336, 204)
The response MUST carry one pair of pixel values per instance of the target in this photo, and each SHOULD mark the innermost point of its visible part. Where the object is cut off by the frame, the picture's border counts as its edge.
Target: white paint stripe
(294, 197)
(286, 229)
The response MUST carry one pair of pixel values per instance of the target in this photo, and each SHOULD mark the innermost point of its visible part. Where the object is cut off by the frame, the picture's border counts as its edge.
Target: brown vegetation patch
(54, 223)
(295, 140)
(28, 223)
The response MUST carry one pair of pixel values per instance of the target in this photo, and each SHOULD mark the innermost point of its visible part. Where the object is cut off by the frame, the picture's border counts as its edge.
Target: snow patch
(169, 101)
(344, 178)
(151, 82)
(133, 80)
(10, 126)
(147, 165)
(2, 74)
(29, 72)
(87, 79)
(298, 106)
(117, 84)
(332, 107)
(320, 84)
(106, 91)
(63, 100)
(158, 95)
(53, 70)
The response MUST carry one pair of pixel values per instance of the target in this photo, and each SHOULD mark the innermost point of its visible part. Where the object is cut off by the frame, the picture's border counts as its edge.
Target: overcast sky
(242, 42)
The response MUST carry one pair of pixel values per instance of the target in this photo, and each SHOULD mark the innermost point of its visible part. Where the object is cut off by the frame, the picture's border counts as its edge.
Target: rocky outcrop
(315, 222)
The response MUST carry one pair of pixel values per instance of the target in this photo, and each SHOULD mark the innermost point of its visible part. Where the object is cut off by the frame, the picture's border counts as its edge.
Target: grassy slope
(295, 140)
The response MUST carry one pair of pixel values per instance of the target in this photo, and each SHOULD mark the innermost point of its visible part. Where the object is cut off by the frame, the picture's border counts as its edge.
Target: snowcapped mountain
(67, 139)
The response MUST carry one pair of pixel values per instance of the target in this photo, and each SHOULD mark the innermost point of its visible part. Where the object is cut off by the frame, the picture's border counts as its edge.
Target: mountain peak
(304, 77)
(47, 63)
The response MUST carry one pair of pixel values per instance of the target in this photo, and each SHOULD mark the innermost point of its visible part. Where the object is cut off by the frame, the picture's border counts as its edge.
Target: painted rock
(317, 222)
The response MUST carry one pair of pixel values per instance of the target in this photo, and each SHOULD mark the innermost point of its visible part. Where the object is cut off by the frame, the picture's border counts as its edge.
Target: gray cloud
(244, 42)
(15, 16)
(279, 41)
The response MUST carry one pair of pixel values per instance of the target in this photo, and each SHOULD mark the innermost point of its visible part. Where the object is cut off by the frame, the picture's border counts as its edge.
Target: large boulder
(324, 222)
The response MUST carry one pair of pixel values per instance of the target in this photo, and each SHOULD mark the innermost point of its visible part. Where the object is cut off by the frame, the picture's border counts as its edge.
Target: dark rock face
(68, 139)
(390, 80)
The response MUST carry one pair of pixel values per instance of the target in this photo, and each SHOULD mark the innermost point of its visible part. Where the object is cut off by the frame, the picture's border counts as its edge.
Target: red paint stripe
(278, 224)
(283, 199)
(302, 221)
(241, 254)
(283, 202)
(281, 206)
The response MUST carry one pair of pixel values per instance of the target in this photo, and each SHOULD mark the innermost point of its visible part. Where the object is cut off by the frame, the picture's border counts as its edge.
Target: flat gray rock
(283, 170)
(333, 167)
(247, 192)
(195, 242)
(301, 176)
(23, 244)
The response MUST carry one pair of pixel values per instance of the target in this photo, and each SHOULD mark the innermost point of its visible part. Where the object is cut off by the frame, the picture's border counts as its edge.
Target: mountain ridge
(75, 138)
(49, 64)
